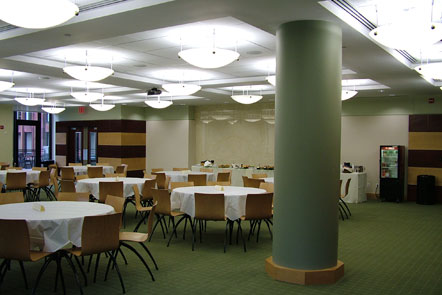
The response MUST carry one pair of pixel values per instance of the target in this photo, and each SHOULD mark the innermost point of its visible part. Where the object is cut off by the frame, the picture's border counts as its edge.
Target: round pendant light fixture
(41, 14)
(88, 73)
(6, 85)
(158, 104)
(246, 98)
(181, 88)
(53, 109)
(29, 101)
(347, 94)
(102, 107)
(208, 58)
(271, 80)
(86, 96)
(431, 70)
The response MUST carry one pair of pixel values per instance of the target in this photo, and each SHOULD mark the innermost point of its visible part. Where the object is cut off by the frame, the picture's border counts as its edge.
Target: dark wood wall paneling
(130, 126)
(111, 151)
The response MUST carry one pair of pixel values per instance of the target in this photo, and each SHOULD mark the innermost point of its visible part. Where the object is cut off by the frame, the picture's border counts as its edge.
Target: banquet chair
(100, 234)
(156, 170)
(259, 175)
(146, 175)
(95, 171)
(67, 186)
(55, 185)
(146, 191)
(177, 184)
(3, 166)
(144, 211)
(254, 182)
(342, 204)
(208, 170)
(16, 181)
(180, 169)
(162, 198)
(258, 209)
(42, 184)
(102, 164)
(75, 164)
(221, 183)
(268, 186)
(114, 188)
(67, 173)
(11, 198)
(140, 238)
(209, 207)
(162, 180)
(73, 197)
(39, 168)
(224, 176)
(121, 169)
(14, 168)
(114, 175)
(81, 176)
(15, 245)
(197, 179)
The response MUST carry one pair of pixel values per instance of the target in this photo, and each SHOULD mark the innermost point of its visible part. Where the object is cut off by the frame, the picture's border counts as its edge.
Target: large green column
(307, 147)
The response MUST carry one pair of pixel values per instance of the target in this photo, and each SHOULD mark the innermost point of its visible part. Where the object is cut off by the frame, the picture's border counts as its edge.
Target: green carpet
(387, 248)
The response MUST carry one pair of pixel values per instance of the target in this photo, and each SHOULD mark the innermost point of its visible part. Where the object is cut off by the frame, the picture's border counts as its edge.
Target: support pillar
(307, 153)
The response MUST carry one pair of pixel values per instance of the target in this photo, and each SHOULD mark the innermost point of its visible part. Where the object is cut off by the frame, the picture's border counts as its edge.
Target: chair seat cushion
(133, 237)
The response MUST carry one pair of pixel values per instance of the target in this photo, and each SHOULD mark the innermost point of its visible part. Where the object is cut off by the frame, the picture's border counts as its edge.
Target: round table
(183, 198)
(91, 185)
(182, 176)
(82, 170)
(31, 175)
(58, 226)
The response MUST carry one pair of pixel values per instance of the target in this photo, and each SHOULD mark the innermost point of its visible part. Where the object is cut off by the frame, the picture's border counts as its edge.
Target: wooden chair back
(146, 192)
(177, 184)
(150, 176)
(208, 170)
(198, 179)
(52, 175)
(156, 170)
(138, 204)
(268, 186)
(224, 176)
(3, 166)
(162, 181)
(95, 171)
(209, 206)
(162, 198)
(102, 164)
(14, 239)
(259, 175)
(347, 187)
(16, 180)
(100, 233)
(43, 178)
(14, 168)
(73, 197)
(222, 183)
(39, 168)
(259, 206)
(67, 173)
(150, 218)
(114, 175)
(55, 184)
(121, 169)
(67, 186)
(254, 182)
(180, 169)
(114, 188)
(245, 181)
(11, 198)
(75, 164)
(116, 202)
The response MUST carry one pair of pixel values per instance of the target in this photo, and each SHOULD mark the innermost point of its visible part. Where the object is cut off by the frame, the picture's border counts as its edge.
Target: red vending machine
(391, 184)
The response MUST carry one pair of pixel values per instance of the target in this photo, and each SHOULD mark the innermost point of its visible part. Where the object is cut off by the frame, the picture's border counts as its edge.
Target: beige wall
(361, 137)
(6, 134)
(168, 144)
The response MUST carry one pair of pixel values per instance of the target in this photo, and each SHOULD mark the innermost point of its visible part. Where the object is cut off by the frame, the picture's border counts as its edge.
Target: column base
(305, 277)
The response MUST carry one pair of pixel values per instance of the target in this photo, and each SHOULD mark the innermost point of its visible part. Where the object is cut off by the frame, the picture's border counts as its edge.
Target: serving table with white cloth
(82, 170)
(183, 198)
(91, 185)
(31, 175)
(58, 226)
(357, 190)
(182, 176)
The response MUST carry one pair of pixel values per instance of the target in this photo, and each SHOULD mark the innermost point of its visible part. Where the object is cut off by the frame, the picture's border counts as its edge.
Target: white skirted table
(91, 185)
(82, 170)
(183, 198)
(182, 176)
(357, 190)
(31, 175)
(237, 173)
(58, 226)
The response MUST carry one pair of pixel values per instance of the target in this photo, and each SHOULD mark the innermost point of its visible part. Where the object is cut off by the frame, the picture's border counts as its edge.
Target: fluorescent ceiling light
(29, 101)
(158, 104)
(347, 94)
(32, 14)
(271, 122)
(208, 58)
(85, 96)
(246, 98)
(431, 70)
(5, 85)
(181, 88)
(271, 80)
(88, 73)
(53, 109)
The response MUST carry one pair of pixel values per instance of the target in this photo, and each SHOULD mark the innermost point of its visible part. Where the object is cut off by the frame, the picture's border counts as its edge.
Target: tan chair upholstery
(114, 188)
(39, 168)
(146, 192)
(14, 168)
(156, 170)
(114, 175)
(55, 186)
(180, 169)
(102, 164)
(95, 171)
(3, 166)
(100, 234)
(162, 180)
(142, 210)
(67, 173)
(12, 197)
(269, 187)
(67, 186)
(260, 175)
(117, 203)
(82, 176)
(150, 176)
(73, 197)
(209, 170)
(222, 183)
(121, 169)
(177, 184)
(197, 179)
(254, 182)
(42, 184)
(224, 176)
(16, 181)
(75, 164)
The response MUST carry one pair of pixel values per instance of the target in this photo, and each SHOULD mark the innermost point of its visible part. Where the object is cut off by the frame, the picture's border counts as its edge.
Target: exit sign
(81, 110)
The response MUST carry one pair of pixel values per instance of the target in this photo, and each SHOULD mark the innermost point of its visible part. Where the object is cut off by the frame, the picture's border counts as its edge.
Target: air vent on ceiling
(344, 5)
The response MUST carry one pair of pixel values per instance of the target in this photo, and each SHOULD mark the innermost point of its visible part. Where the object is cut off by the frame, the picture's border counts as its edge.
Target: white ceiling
(140, 39)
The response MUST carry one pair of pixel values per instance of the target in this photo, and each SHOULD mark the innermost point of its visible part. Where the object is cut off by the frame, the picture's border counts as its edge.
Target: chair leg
(97, 260)
(77, 281)
(268, 226)
(143, 217)
(345, 205)
(3, 269)
(242, 236)
(194, 233)
(24, 274)
(60, 274)
(122, 255)
(226, 234)
(81, 268)
(140, 257)
(111, 257)
(343, 209)
(150, 254)
(340, 212)
(40, 273)
(259, 229)
(175, 227)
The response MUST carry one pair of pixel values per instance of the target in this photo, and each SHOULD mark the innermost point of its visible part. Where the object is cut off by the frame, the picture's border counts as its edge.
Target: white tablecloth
(183, 199)
(237, 173)
(269, 179)
(91, 185)
(58, 226)
(82, 170)
(181, 176)
(31, 175)
(358, 184)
